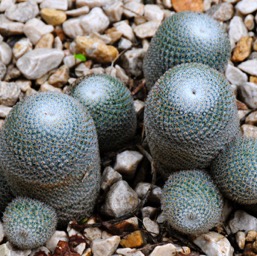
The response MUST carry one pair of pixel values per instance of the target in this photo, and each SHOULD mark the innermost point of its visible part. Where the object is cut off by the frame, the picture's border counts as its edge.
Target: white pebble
(247, 6)
(105, 247)
(56, 237)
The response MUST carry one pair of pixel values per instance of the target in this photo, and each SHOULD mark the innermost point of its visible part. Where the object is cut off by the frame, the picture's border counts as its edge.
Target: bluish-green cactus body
(28, 223)
(50, 152)
(111, 107)
(191, 202)
(190, 115)
(234, 171)
(186, 37)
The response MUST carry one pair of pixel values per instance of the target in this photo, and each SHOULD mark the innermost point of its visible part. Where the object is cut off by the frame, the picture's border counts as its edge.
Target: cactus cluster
(50, 153)
(186, 37)
(28, 223)
(111, 107)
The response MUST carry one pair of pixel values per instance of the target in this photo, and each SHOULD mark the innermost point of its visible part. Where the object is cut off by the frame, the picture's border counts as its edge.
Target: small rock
(241, 106)
(151, 226)
(133, 61)
(153, 12)
(127, 162)
(96, 49)
(92, 4)
(167, 3)
(124, 44)
(133, 9)
(188, 5)
(12, 73)
(242, 113)
(114, 11)
(139, 106)
(53, 17)
(72, 28)
(167, 249)
(214, 244)
(4, 4)
(8, 27)
(36, 251)
(88, 252)
(125, 29)
(249, 66)
(23, 85)
(38, 62)
(46, 87)
(55, 4)
(4, 111)
(105, 247)
(248, 94)
(127, 225)
(242, 221)
(2, 70)
(114, 34)
(247, 6)
(251, 236)
(105, 38)
(21, 47)
(1, 232)
(249, 21)
(58, 43)
(109, 177)
(22, 12)
(92, 234)
(117, 72)
(69, 61)
(147, 29)
(35, 28)
(251, 118)
(60, 77)
(56, 237)
(240, 239)
(80, 248)
(46, 41)
(133, 240)
(9, 93)
(237, 30)
(5, 53)
(121, 199)
(242, 49)
(221, 12)
(6, 249)
(249, 131)
(78, 12)
(149, 211)
(253, 79)
(95, 21)
(129, 252)
(235, 75)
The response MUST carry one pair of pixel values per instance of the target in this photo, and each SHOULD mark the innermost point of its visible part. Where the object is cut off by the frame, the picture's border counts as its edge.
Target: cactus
(191, 202)
(111, 107)
(28, 223)
(186, 37)
(234, 171)
(190, 115)
(50, 153)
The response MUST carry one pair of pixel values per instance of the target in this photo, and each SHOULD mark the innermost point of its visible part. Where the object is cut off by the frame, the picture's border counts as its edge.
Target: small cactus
(186, 37)
(111, 107)
(191, 202)
(28, 223)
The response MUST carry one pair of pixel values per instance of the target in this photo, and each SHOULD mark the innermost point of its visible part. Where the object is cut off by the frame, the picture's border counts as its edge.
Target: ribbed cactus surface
(186, 37)
(190, 115)
(50, 152)
(191, 202)
(28, 223)
(111, 107)
(234, 171)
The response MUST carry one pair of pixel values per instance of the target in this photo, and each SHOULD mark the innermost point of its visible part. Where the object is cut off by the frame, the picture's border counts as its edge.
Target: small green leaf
(80, 56)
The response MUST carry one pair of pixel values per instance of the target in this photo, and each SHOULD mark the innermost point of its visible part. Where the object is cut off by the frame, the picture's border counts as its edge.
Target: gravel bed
(45, 45)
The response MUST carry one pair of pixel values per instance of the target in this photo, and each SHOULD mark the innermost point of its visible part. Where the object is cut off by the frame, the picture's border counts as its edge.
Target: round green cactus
(234, 171)
(111, 107)
(191, 202)
(50, 152)
(186, 37)
(190, 115)
(28, 223)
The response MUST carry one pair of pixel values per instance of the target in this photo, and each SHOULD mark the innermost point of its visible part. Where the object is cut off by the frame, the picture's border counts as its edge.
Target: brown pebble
(242, 49)
(188, 5)
(60, 77)
(114, 34)
(241, 105)
(46, 41)
(53, 17)
(251, 234)
(133, 240)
